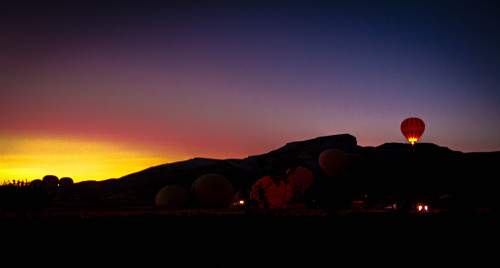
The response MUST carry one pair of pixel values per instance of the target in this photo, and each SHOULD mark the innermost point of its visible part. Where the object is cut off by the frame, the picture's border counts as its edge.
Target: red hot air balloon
(332, 161)
(267, 194)
(300, 178)
(412, 128)
(283, 193)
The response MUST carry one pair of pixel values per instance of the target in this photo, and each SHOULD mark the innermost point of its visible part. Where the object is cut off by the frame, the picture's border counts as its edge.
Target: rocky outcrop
(303, 153)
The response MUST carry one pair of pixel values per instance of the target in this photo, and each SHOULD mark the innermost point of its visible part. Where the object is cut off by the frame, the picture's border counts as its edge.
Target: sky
(99, 89)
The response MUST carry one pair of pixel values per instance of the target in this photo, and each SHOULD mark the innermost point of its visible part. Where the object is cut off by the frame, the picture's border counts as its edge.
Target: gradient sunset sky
(100, 89)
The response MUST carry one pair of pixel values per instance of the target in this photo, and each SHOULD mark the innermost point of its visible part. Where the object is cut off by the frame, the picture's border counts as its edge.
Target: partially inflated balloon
(300, 178)
(50, 183)
(259, 191)
(283, 191)
(36, 184)
(412, 128)
(65, 182)
(172, 196)
(332, 161)
(213, 191)
(268, 193)
(280, 195)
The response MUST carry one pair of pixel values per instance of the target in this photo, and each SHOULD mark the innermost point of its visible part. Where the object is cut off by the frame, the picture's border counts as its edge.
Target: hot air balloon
(50, 183)
(65, 182)
(213, 191)
(412, 128)
(283, 192)
(258, 193)
(300, 178)
(36, 184)
(332, 161)
(172, 196)
(267, 193)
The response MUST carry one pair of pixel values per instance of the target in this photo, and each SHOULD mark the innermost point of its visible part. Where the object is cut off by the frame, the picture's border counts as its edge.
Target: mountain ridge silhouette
(390, 168)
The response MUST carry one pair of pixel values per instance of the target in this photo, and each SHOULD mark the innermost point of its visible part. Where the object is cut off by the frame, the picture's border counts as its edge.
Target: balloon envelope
(36, 184)
(282, 193)
(412, 128)
(300, 178)
(213, 191)
(332, 161)
(50, 183)
(259, 191)
(65, 182)
(50, 179)
(268, 194)
(172, 196)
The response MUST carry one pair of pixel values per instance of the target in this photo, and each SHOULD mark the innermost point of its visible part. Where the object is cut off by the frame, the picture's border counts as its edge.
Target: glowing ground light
(239, 203)
(422, 208)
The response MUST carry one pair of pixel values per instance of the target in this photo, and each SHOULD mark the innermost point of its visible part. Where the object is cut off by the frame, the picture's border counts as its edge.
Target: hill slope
(390, 168)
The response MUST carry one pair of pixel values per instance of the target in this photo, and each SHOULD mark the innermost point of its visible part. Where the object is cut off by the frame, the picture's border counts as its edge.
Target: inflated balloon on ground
(172, 196)
(281, 192)
(50, 183)
(332, 161)
(36, 184)
(65, 182)
(213, 191)
(300, 178)
(269, 193)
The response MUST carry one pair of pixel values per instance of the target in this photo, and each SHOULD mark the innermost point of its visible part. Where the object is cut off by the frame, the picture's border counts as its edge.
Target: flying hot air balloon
(412, 128)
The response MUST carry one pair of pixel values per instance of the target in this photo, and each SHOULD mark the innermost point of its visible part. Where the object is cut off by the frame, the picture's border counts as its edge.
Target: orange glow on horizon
(29, 158)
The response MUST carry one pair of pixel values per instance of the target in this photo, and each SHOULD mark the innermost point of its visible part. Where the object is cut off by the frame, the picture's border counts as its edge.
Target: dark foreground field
(208, 239)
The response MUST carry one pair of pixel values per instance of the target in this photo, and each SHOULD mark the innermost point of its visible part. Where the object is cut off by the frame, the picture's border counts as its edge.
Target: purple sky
(237, 78)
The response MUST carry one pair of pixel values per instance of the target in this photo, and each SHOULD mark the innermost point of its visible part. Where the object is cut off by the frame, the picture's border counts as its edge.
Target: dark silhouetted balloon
(65, 182)
(412, 128)
(36, 184)
(213, 191)
(50, 183)
(172, 196)
(332, 161)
